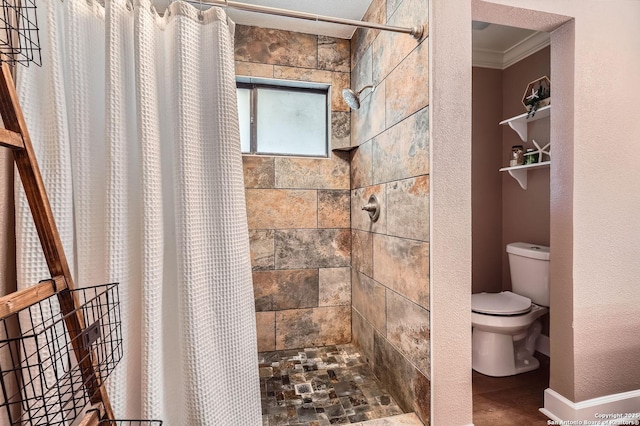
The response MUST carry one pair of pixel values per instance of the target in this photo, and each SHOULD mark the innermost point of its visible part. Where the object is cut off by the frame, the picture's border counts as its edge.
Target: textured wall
(486, 181)
(450, 275)
(390, 258)
(298, 208)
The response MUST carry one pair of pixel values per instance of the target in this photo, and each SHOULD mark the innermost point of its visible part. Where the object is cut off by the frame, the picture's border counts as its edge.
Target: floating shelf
(519, 173)
(344, 149)
(519, 122)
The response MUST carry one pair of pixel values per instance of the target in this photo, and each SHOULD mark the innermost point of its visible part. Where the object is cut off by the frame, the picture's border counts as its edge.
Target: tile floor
(514, 400)
(332, 385)
(322, 386)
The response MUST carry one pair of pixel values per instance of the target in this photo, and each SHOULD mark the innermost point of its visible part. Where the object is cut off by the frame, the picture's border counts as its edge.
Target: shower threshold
(320, 387)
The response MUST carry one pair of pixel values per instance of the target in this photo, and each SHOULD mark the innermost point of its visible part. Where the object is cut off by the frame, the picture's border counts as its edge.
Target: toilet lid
(505, 303)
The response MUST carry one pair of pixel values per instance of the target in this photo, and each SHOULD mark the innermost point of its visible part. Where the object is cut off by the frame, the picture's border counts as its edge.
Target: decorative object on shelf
(517, 156)
(538, 152)
(531, 156)
(537, 95)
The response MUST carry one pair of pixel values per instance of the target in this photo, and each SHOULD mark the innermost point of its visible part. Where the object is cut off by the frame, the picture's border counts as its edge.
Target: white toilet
(506, 325)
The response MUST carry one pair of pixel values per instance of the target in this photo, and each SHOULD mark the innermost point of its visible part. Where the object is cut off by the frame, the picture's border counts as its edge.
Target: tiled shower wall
(390, 258)
(298, 208)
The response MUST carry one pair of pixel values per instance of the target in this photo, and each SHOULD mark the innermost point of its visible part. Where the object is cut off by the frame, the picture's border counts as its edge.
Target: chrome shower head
(352, 98)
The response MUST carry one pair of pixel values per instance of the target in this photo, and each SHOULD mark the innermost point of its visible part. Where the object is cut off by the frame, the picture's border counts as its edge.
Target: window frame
(253, 85)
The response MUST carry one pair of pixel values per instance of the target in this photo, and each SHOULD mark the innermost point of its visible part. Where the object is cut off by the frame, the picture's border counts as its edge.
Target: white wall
(450, 245)
(597, 236)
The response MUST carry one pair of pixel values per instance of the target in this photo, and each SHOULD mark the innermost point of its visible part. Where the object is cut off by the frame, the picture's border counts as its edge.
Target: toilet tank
(529, 266)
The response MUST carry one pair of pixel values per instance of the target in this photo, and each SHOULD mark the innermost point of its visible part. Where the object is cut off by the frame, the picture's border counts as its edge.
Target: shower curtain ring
(200, 13)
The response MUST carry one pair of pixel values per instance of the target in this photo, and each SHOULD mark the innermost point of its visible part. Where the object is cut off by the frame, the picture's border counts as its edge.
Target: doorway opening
(510, 204)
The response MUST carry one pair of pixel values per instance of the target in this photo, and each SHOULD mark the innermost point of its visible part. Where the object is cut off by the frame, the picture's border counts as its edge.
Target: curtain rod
(415, 32)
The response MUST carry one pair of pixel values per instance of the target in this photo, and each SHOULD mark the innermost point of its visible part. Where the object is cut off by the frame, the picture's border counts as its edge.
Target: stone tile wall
(298, 208)
(390, 258)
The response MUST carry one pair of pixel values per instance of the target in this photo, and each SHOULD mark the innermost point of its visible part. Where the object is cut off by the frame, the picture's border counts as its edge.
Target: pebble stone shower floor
(321, 386)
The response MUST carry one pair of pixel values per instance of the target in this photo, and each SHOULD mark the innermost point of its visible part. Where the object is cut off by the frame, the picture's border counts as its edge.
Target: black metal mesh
(101, 308)
(19, 40)
(130, 423)
(41, 382)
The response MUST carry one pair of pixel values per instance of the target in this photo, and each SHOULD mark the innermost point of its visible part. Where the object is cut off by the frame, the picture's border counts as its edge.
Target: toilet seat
(501, 304)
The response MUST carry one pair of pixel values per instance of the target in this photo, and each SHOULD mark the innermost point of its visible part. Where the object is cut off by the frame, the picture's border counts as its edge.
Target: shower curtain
(133, 117)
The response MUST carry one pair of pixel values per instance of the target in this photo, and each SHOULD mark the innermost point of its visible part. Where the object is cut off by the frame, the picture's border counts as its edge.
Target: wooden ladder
(16, 137)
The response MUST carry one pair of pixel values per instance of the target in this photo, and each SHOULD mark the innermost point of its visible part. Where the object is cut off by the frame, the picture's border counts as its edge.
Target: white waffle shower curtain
(134, 121)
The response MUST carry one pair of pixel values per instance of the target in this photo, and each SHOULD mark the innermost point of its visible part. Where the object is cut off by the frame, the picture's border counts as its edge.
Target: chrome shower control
(373, 207)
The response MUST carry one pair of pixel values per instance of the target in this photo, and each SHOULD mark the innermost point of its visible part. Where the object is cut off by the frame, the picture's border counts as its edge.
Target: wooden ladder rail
(16, 137)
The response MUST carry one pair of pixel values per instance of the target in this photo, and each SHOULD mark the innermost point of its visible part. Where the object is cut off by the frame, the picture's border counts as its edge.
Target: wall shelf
(519, 173)
(519, 122)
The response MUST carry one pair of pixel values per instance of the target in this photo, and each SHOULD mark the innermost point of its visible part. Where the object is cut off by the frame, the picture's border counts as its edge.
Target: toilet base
(500, 355)
(528, 364)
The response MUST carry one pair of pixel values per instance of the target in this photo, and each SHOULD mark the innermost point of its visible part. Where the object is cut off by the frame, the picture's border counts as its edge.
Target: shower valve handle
(370, 207)
(373, 207)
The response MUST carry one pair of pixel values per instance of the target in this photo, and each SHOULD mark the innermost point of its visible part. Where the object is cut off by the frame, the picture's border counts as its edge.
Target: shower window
(283, 120)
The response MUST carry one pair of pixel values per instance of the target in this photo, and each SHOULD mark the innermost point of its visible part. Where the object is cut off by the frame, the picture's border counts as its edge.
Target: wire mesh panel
(100, 306)
(41, 381)
(130, 423)
(19, 40)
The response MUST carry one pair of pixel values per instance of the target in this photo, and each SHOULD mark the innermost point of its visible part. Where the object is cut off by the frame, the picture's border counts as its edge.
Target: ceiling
(499, 46)
(494, 46)
(348, 9)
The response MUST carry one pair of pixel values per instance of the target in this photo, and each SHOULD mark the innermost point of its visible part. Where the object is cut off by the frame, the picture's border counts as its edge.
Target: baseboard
(610, 409)
(543, 345)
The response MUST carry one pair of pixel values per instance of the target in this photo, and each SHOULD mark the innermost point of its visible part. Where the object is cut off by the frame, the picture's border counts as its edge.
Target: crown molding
(526, 47)
(487, 58)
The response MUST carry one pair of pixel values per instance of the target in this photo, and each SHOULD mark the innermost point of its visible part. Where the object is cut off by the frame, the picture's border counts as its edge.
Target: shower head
(352, 98)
